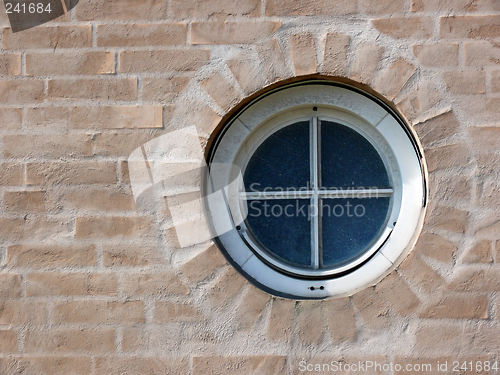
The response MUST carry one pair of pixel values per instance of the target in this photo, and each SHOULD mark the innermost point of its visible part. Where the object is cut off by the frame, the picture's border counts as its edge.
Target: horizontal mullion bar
(331, 194)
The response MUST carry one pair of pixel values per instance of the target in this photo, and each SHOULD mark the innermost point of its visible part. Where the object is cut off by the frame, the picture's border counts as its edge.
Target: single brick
(72, 284)
(160, 283)
(167, 312)
(437, 54)
(484, 138)
(21, 92)
(366, 62)
(8, 341)
(421, 275)
(10, 64)
(449, 189)
(452, 6)
(475, 280)
(281, 319)
(465, 82)
(335, 58)
(273, 61)
(22, 202)
(90, 198)
(23, 312)
(124, 173)
(247, 72)
(10, 285)
(405, 27)
(310, 322)
(437, 128)
(375, 311)
(195, 111)
(4, 19)
(10, 174)
(226, 288)
(98, 89)
(481, 252)
(11, 229)
(134, 35)
(488, 230)
(70, 63)
(48, 37)
(163, 90)
(39, 228)
(442, 337)
(203, 265)
(487, 165)
(141, 365)
(46, 365)
(436, 247)
(126, 10)
(481, 54)
(495, 81)
(193, 9)
(50, 256)
(163, 61)
(221, 91)
(132, 255)
(11, 118)
(121, 143)
(142, 338)
(341, 320)
(448, 218)
(265, 364)
(310, 8)
(102, 312)
(70, 173)
(96, 227)
(47, 118)
(483, 27)
(250, 309)
(303, 54)
(42, 146)
(392, 7)
(116, 117)
(219, 32)
(480, 109)
(425, 97)
(64, 340)
(398, 295)
(488, 193)
(392, 79)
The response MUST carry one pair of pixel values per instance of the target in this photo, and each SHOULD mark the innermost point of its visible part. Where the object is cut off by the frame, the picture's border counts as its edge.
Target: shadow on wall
(27, 14)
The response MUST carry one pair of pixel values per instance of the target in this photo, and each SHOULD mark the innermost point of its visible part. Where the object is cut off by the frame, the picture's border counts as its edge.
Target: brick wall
(92, 282)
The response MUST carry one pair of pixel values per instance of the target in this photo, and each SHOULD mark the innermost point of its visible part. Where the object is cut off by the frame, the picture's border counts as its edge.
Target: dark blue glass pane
(350, 226)
(348, 159)
(281, 161)
(283, 227)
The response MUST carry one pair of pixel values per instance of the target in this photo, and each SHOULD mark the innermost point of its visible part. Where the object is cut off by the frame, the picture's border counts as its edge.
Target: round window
(332, 192)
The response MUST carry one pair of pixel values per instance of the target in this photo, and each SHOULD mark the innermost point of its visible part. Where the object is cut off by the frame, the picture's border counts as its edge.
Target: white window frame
(344, 105)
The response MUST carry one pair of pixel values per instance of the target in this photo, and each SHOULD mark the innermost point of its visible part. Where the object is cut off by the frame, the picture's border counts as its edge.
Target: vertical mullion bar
(315, 256)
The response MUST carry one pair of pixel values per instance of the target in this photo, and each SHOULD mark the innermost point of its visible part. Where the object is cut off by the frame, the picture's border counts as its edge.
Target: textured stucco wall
(92, 282)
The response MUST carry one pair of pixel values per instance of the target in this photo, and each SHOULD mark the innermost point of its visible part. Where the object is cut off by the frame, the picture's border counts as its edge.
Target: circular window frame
(249, 126)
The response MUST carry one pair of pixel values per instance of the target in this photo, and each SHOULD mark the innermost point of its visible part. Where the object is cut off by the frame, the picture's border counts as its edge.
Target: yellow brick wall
(93, 282)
